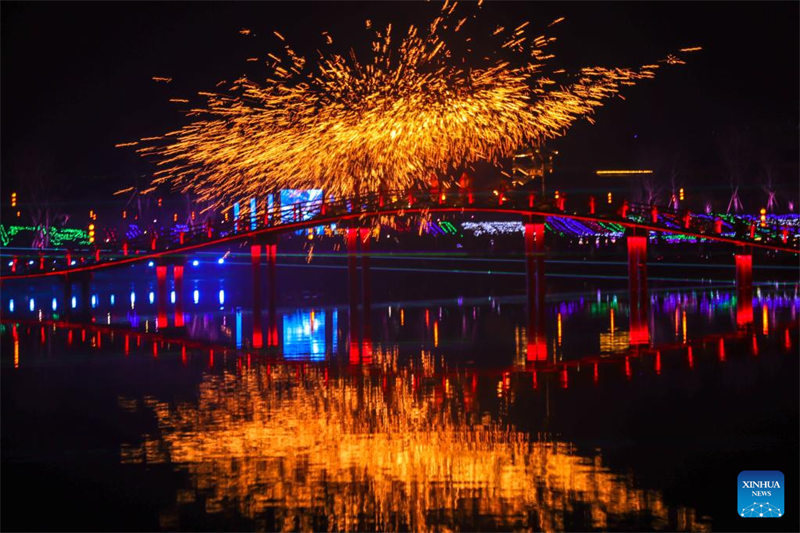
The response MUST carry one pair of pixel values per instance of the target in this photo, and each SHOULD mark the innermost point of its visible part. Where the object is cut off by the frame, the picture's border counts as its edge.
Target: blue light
(236, 215)
(94, 301)
(252, 213)
(304, 335)
(221, 296)
(74, 302)
(11, 305)
(133, 299)
(113, 298)
(11, 263)
(196, 296)
(221, 260)
(195, 262)
(54, 304)
(31, 304)
(72, 262)
(150, 263)
(172, 297)
(335, 328)
(151, 297)
(238, 327)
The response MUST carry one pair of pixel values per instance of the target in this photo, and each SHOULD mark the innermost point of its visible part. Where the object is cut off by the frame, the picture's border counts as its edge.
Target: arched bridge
(741, 231)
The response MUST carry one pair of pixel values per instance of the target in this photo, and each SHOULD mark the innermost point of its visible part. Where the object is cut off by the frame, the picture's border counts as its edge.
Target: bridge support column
(352, 277)
(534, 263)
(67, 305)
(177, 275)
(637, 289)
(255, 258)
(83, 307)
(744, 289)
(366, 296)
(161, 296)
(86, 295)
(272, 325)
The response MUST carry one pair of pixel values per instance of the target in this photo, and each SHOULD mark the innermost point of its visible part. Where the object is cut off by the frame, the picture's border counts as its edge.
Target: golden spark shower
(428, 102)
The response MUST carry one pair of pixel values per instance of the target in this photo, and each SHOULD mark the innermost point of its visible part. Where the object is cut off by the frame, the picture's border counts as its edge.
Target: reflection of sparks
(363, 453)
(558, 327)
(15, 336)
(409, 110)
(683, 325)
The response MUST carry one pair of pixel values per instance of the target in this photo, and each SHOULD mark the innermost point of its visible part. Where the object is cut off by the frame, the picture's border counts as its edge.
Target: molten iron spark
(419, 106)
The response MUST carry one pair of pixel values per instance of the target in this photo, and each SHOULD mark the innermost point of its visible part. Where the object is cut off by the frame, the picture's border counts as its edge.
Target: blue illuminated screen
(289, 197)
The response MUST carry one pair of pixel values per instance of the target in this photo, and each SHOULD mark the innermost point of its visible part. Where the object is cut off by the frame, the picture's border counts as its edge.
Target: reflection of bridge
(133, 340)
(354, 217)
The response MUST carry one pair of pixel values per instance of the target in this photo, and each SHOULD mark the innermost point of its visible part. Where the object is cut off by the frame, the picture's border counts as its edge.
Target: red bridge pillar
(161, 296)
(255, 258)
(366, 295)
(272, 257)
(177, 273)
(534, 263)
(744, 289)
(352, 277)
(637, 289)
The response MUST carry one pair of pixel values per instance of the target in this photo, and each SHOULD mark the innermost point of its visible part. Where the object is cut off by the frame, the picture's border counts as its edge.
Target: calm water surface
(437, 420)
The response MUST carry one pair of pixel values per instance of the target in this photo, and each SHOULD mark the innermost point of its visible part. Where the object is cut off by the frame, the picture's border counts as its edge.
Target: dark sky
(76, 79)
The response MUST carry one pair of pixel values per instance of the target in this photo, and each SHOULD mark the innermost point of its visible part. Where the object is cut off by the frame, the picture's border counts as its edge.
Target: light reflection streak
(15, 335)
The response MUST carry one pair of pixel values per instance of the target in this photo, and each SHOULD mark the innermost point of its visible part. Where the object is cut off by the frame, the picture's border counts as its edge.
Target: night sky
(76, 79)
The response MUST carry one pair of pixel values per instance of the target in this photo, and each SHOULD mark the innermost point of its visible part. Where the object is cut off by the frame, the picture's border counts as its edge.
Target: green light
(448, 227)
(58, 236)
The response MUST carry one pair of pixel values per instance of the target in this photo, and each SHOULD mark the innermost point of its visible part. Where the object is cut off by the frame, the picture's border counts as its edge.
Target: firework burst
(421, 105)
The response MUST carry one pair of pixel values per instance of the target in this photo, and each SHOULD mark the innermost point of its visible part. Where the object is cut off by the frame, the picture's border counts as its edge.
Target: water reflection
(305, 333)
(427, 428)
(295, 447)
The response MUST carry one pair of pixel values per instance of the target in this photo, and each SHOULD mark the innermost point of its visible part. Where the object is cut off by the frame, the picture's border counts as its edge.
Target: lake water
(435, 419)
